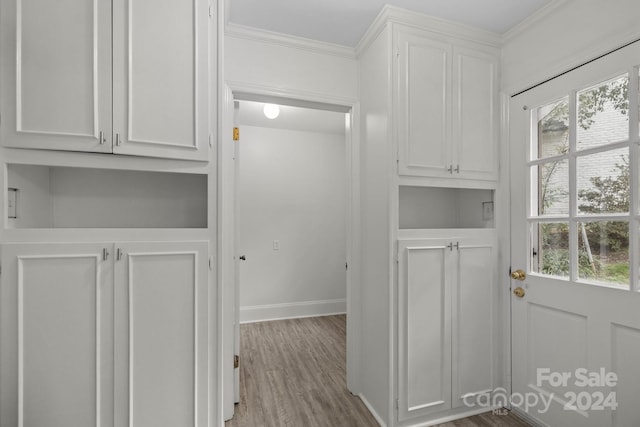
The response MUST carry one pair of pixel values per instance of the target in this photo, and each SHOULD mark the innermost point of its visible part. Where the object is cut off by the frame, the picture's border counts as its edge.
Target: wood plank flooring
(292, 373)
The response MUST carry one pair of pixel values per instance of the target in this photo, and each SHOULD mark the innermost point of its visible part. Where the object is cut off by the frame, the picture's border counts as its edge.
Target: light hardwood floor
(292, 373)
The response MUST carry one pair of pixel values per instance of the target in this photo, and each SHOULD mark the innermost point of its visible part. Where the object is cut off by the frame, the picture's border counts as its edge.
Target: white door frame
(226, 227)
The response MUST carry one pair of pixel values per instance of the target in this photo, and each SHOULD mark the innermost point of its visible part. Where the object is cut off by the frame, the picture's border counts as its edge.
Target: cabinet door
(57, 336)
(475, 329)
(161, 67)
(56, 74)
(424, 327)
(475, 106)
(423, 105)
(161, 326)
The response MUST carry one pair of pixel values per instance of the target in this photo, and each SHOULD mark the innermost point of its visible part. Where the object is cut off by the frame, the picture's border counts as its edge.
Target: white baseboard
(261, 313)
(373, 412)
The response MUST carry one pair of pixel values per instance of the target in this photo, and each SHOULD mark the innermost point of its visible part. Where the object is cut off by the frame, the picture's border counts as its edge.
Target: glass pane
(550, 251)
(551, 184)
(603, 113)
(603, 182)
(603, 252)
(552, 129)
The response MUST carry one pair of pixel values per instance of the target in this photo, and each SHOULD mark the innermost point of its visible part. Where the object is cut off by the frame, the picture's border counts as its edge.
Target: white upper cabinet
(160, 78)
(56, 74)
(67, 86)
(446, 104)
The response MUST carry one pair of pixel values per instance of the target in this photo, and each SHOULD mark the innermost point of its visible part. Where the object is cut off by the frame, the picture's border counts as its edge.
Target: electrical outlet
(276, 245)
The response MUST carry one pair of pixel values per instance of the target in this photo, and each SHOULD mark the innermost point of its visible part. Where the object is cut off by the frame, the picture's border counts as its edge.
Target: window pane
(550, 251)
(552, 129)
(603, 252)
(551, 184)
(603, 182)
(603, 114)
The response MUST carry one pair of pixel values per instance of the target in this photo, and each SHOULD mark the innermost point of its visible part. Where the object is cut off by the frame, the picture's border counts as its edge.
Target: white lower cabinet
(104, 334)
(447, 323)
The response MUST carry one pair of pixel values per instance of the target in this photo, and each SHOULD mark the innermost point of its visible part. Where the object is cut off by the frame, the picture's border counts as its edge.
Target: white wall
(566, 36)
(376, 160)
(313, 70)
(292, 188)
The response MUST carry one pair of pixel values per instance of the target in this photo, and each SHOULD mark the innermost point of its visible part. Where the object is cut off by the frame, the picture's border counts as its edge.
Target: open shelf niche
(71, 197)
(438, 208)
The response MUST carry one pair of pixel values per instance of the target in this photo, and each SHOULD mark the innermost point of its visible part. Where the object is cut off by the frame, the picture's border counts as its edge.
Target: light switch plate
(487, 211)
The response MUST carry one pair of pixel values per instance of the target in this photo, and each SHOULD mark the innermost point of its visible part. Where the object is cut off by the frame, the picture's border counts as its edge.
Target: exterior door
(575, 237)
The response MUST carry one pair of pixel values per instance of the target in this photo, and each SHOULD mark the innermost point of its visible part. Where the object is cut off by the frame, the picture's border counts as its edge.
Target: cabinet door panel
(161, 334)
(56, 84)
(57, 349)
(474, 322)
(424, 327)
(161, 78)
(424, 105)
(475, 112)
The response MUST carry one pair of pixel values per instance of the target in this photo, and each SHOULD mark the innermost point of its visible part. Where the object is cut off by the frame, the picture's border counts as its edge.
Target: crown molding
(533, 19)
(443, 27)
(285, 40)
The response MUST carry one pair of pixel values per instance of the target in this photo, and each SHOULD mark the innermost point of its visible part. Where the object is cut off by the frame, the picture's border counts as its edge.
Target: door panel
(161, 78)
(57, 349)
(425, 327)
(161, 332)
(578, 315)
(56, 85)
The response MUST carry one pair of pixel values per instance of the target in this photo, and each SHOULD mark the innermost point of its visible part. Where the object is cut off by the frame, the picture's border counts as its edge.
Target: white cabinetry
(446, 103)
(104, 334)
(447, 320)
(121, 76)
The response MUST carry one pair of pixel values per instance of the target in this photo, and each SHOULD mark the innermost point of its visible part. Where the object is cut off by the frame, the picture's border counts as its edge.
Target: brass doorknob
(519, 292)
(518, 275)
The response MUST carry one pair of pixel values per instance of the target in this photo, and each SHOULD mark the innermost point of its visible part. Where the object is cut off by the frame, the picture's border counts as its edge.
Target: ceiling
(343, 22)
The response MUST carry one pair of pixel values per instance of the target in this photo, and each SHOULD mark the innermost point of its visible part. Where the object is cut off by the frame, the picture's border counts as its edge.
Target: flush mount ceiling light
(271, 111)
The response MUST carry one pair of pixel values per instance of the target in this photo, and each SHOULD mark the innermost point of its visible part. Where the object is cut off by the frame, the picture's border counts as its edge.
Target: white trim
(428, 23)
(288, 41)
(373, 412)
(293, 310)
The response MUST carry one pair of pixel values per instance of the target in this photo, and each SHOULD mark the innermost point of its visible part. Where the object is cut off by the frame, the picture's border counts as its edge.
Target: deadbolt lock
(519, 292)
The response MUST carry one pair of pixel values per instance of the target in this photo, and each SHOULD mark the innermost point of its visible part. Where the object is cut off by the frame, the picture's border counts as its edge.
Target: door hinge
(210, 141)
(210, 263)
(210, 11)
(346, 265)
(236, 361)
(397, 404)
(236, 134)
(105, 254)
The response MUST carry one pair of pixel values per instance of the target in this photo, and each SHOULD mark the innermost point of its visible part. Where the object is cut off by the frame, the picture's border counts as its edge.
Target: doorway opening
(291, 186)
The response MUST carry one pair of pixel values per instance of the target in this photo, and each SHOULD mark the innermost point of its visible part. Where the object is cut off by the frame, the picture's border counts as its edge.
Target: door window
(582, 158)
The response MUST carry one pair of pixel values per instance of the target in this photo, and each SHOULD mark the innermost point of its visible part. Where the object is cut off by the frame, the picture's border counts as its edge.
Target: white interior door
(575, 235)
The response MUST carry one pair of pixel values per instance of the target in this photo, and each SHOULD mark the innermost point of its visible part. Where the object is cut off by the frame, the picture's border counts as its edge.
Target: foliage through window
(580, 179)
